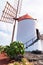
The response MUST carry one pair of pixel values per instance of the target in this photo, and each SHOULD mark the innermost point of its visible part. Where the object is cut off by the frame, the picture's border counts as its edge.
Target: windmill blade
(19, 8)
(19, 3)
(11, 6)
(6, 21)
(8, 8)
(5, 14)
(7, 18)
(8, 13)
(15, 4)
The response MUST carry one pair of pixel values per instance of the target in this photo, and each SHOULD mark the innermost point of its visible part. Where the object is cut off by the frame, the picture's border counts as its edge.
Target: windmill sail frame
(10, 14)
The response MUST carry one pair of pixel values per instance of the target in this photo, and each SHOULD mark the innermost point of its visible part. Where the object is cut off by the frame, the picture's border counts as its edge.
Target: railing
(30, 42)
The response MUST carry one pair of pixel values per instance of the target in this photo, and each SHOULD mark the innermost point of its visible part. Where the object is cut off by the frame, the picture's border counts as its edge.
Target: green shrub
(15, 49)
(1, 49)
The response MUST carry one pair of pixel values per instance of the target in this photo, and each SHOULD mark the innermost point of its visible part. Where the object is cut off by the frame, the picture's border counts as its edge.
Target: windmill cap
(25, 17)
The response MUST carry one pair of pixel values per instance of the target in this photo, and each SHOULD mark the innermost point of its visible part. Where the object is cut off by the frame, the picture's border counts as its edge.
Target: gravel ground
(37, 59)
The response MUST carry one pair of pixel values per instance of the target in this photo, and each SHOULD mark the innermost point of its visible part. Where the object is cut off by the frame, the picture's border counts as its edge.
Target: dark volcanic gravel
(37, 59)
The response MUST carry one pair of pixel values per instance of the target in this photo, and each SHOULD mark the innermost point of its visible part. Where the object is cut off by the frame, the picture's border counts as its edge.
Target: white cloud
(5, 39)
(6, 27)
(5, 33)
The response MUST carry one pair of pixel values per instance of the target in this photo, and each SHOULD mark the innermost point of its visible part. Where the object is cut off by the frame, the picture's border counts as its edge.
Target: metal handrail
(33, 41)
(30, 40)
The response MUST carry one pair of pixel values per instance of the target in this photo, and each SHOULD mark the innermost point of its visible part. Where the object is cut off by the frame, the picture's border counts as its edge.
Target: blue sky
(32, 7)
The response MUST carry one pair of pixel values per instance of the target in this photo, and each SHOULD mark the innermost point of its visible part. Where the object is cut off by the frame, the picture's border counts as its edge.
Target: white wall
(41, 44)
(26, 30)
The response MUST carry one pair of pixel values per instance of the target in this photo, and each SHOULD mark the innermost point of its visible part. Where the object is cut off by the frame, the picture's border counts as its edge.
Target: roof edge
(26, 16)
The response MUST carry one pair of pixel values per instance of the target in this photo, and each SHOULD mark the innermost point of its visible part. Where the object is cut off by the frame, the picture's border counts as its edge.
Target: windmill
(10, 14)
